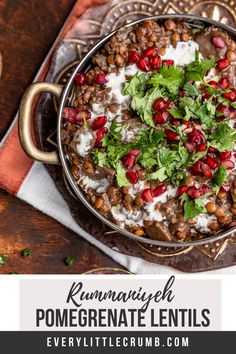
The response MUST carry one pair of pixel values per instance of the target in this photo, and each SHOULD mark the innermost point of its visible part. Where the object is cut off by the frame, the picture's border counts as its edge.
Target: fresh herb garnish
(193, 208)
(26, 252)
(196, 70)
(121, 175)
(69, 261)
(219, 177)
(223, 138)
(2, 259)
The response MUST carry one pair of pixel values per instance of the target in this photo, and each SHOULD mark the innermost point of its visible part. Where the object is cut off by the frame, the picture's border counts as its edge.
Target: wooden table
(27, 31)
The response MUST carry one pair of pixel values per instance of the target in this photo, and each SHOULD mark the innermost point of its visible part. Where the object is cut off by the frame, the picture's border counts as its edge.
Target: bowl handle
(25, 111)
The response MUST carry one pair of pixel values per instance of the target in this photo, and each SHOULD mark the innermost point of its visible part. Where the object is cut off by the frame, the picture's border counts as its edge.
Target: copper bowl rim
(84, 63)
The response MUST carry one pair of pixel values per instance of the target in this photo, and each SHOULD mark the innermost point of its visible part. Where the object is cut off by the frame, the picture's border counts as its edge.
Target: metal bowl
(63, 95)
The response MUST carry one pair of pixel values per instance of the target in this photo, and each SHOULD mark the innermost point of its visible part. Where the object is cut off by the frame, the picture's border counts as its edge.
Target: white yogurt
(99, 185)
(202, 222)
(183, 53)
(84, 143)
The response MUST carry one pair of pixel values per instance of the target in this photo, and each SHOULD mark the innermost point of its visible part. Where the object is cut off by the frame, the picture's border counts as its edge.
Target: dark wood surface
(27, 31)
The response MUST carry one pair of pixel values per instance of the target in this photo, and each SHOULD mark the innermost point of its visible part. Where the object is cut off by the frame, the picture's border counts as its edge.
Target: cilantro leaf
(191, 89)
(170, 78)
(233, 104)
(175, 113)
(219, 177)
(223, 138)
(121, 175)
(158, 175)
(196, 70)
(100, 158)
(148, 158)
(193, 208)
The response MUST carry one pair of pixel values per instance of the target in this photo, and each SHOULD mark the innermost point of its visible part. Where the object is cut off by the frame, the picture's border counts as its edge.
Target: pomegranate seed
(159, 104)
(181, 190)
(211, 162)
(203, 190)
(99, 122)
(80, 79)
(228, 164)
(155, 62)
(218, 42)
(132, 176)
(143, 64)
(224, 110)
(81, 115)
(171, 136)
(214, 84)
(232, 112)
(225, 187)
(185, 122)
(133, 57)
(206, 171)
(168, 62)
(231, 95)
(193, 192)
(147, 195)
(225, 155)
(159, 190)
(212, 150)
(222, 64)
(195, 137)
(161, 117)
(100, 134)
(100, 79)
(201, 147)
(149, 52)
(190, 146)
(134, 152)
(128, 161)
(225, 82)
(69, 114)
(197, 168)
(206, 95)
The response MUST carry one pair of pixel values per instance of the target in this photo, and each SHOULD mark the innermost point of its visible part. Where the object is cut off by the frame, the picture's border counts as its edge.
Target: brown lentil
(213, 225)
(98, 202)
(219, 213)
(139, 232)
(169, 25)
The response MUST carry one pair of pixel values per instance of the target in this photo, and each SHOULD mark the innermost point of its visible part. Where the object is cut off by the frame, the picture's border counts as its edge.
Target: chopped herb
(171, 78)
(219, 177)
(233, 104)
(159, 175)
(100, 158)
(26, 252)
(121, 175)
(223, 138)
(191, 89)
(69, 261)
(2, 259)
(175, 113)
(196, 70)
(193, 208)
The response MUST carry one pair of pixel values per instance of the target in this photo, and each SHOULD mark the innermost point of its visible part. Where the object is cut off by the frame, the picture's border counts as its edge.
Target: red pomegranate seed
(100, 79)
(69, 114)
(155, 62)
(222, 64)
(224, 110)
(212, 150)
(206, 95)
(133, 57)
(143, 64)
(211, 162)
(100, 134)
(193, 192)
(128, 161)
(201, 147)
(147, 195)
(232, 112)
(81, 115)
(190, 146)
(231, 95)
(229, 164)
(168, 62)
(80, 79)
(161, 117)
(132, 176)
(197, 168)
(159, 190)
(159, 104)
(225, 155)
(214, 84)
(225, 187)
(195, 137)
(218, 42)
(134, 152)
(99, 122)
(225, 82)
(181, 190)
(185, 122)
(203, 190)
(206, 171)
(149, 52)
(171, 136)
